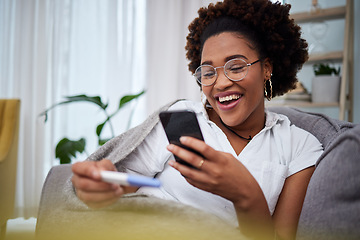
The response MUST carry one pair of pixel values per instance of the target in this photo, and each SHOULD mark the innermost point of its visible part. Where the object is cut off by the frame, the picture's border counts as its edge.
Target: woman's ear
(268, 68)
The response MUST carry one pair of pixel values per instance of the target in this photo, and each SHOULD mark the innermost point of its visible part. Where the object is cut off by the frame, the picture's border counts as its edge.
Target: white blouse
(275, 153)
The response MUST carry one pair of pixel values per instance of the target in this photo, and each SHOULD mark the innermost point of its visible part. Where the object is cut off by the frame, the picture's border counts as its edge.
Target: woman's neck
(250, 127)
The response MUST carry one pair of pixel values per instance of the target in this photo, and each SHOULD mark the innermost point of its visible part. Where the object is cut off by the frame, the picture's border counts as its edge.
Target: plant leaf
(76, 98)
(325, 69)
(127, 98)
(66, 149)
(103, 141)
(100, 127)
(337, 72)
(85, 98)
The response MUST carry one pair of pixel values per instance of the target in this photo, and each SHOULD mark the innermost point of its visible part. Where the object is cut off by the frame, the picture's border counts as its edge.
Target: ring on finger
(201, 163)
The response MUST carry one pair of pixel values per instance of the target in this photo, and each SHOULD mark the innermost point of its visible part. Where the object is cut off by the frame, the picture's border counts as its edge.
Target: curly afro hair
(265, 24)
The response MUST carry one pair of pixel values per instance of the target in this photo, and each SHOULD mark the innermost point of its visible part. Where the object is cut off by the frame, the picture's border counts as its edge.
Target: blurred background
(50, 49)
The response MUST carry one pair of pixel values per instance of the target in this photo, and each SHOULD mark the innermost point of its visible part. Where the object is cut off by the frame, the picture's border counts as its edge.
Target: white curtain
(168, 77)
(24, 70)
(55, 48)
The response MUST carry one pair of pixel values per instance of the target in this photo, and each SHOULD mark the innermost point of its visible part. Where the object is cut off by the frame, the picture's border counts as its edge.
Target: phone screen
(181, 123)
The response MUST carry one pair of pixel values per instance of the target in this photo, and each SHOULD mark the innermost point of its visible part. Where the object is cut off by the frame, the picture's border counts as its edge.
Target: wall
(333, 40)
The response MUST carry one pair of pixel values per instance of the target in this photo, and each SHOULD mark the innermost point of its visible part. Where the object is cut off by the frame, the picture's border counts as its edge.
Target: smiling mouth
(229, 99)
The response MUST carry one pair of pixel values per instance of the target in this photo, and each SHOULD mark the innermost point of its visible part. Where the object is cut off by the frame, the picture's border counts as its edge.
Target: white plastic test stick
(128, 179)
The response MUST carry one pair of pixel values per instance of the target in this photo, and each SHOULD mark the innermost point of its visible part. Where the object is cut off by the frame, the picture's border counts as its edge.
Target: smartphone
(181, 123)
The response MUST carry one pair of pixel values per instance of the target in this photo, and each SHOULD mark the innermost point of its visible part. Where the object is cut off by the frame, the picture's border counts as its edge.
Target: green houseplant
(325, 69)
(67, 149)
(325, 84)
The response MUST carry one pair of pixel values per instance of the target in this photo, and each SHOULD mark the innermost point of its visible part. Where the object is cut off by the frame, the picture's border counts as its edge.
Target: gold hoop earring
(268, 96)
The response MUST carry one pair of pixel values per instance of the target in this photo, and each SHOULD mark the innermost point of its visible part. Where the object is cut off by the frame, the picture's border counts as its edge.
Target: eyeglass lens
(235, 70)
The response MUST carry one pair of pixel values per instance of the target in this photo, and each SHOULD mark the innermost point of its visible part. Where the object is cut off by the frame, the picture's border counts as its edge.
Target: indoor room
(75, 74)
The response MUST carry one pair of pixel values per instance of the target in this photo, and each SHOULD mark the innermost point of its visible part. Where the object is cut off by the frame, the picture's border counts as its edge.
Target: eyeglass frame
(234, 80)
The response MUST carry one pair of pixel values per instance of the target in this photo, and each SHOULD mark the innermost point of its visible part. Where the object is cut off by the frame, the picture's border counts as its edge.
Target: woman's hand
(222, 174)
(89, 187)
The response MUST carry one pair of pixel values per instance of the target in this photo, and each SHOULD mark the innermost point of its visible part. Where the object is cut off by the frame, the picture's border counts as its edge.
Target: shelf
(329, 56)
(345, 58)
(321, 15)
(300, 104)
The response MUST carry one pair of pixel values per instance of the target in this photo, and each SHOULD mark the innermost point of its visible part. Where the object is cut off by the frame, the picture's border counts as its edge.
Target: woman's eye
(208, 74)
(237, 68)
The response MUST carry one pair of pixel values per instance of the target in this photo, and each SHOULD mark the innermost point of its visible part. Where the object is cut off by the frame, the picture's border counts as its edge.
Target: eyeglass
(234, 69)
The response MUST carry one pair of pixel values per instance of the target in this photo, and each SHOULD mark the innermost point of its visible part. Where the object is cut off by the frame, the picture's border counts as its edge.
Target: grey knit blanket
(63, 216)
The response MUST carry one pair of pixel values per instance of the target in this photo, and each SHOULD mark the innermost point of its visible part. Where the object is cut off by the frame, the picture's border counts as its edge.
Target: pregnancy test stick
(128, 179)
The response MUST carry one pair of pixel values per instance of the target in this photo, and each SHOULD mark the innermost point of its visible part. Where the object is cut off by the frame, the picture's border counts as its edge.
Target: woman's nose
(222, 80)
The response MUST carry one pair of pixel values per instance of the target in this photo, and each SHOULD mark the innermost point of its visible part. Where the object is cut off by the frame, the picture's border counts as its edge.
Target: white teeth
(229, 98)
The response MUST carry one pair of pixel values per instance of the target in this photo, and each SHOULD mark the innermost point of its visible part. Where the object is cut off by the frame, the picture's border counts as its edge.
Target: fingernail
(183, 139)
(171, 163)
(95, 174)
(170, 147)
(119, 191)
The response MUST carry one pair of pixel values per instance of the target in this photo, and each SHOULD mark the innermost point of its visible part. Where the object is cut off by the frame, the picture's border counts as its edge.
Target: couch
(331, 208)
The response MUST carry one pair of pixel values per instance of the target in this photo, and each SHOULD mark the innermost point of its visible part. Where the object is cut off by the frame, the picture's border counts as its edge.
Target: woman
(256, 165)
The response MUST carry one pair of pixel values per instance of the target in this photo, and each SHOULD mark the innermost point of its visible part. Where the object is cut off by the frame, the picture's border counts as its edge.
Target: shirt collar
(272, 119)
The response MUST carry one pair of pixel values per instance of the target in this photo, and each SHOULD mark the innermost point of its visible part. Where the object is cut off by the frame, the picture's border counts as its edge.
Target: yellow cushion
(9, 132)
(9, 117)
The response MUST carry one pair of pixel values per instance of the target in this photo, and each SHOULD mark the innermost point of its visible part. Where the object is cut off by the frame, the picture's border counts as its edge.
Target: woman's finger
(200, 146)
(91, 169)
(192, 158)
(199, 179)
(91, 185)
(189, 173)
(99, 199)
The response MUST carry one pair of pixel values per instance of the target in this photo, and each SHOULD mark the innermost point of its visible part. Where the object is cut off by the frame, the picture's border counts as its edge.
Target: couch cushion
(324, 128)
(332, 205)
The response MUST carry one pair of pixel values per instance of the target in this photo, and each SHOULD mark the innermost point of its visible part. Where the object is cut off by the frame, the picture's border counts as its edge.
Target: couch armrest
(331, 208)
(52, 193)
(134, 216)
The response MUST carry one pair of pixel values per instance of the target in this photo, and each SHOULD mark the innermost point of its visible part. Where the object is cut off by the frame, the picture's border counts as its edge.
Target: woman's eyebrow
(206, 63)
(235, 56)
(226, 59)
